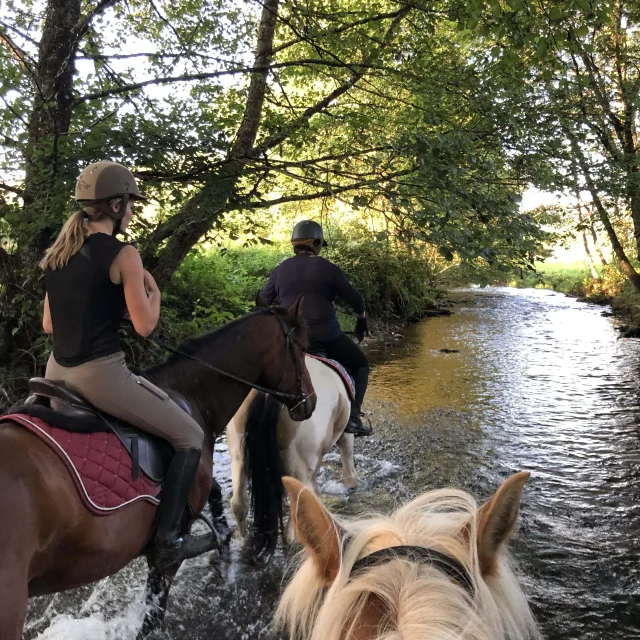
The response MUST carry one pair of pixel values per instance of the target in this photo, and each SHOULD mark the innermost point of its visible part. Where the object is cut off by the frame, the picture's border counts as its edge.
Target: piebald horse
(436, 569)
(285, 447)
(50, 542)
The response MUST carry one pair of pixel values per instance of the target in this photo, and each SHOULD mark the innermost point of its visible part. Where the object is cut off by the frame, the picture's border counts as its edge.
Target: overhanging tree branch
(18, 53)
(328, 192)
(85, 21)
(345, 27)
(303, 120)
(136, 86)
(10, 189)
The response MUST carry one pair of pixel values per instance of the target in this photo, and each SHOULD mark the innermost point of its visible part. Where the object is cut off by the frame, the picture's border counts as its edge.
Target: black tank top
(86, 307)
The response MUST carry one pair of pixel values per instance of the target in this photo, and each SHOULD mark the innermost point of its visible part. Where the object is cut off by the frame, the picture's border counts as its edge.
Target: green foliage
(627, 303)
(396, 284)
(569, 279)
(212, 286)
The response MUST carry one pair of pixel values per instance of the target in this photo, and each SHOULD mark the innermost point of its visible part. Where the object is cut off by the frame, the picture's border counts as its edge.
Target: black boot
(355, 426)
(177, 486)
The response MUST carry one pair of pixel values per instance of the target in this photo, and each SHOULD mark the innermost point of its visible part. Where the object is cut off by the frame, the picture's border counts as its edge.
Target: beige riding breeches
(108, 385)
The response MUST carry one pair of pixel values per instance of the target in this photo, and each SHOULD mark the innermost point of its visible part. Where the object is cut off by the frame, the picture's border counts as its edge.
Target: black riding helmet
(308, 230)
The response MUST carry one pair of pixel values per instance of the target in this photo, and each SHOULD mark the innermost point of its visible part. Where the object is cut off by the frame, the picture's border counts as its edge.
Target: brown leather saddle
(64, 408)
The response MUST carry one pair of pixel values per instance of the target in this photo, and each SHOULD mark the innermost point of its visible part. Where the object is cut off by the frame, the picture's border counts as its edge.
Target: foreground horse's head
(466, 590)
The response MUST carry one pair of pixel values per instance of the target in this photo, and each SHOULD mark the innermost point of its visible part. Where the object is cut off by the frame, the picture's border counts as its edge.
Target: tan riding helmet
(103, 180)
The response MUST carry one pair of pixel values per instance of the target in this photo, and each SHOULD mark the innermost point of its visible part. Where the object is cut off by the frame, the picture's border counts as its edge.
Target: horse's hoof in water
(263, 559)
(155, 635)
(220, 563)
(249, 557)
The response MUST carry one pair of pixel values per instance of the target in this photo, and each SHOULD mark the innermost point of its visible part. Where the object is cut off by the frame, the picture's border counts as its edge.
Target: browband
(450, 566)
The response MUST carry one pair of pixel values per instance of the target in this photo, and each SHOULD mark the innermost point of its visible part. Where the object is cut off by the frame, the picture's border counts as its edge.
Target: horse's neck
(213, 397)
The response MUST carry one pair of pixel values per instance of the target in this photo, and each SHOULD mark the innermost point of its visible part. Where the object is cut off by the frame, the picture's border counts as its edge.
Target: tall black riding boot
(355, 426)
(175, 494)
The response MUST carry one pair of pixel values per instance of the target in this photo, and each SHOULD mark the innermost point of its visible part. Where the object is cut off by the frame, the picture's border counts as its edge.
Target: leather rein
(451, 567)
(288, 332)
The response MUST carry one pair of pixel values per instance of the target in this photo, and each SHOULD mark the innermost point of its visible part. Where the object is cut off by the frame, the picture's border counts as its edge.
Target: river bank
(574, 280)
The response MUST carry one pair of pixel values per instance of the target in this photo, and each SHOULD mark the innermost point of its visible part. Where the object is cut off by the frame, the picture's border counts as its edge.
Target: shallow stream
(531, 380)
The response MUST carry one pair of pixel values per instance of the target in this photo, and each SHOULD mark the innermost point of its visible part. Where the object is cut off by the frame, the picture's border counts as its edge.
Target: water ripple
(555, 391)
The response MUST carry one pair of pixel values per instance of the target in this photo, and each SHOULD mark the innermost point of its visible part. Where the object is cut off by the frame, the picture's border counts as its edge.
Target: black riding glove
(362, 329)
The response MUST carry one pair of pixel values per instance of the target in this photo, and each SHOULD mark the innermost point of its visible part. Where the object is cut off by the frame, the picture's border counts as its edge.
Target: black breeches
(350, 356)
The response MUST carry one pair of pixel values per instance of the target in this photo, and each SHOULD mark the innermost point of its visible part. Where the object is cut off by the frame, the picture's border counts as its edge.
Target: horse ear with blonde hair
(404, 598)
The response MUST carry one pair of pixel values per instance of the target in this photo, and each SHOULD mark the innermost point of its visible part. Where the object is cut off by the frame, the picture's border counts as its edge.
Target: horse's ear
(260, 301)
(294, 310)
(497, 521)
(315, 529)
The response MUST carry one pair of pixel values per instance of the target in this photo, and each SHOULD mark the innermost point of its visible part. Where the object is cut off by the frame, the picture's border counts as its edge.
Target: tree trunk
(596, 242)
(46, 192)
(46, 179)
(576, 191)
(592, 266)
(633, 195)
(198, 215)
(618, 249)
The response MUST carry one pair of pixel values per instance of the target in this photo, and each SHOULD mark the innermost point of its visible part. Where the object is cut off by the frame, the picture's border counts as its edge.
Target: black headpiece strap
(121, 214)
(448, 565)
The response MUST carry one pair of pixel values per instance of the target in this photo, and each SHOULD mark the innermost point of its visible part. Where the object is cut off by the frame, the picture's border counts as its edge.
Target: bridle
(289, 347)
(300, 396)
(451, 567)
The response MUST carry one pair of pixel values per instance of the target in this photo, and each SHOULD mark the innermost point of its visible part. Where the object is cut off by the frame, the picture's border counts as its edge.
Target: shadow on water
(534, 381)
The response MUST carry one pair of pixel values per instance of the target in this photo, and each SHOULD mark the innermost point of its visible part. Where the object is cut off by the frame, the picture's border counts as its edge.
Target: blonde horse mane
(419, 601)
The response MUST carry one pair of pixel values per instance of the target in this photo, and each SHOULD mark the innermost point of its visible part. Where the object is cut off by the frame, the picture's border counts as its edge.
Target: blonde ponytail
(67, 243)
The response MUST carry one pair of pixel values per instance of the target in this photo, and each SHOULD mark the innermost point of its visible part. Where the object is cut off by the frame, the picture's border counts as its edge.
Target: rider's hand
(362, 329)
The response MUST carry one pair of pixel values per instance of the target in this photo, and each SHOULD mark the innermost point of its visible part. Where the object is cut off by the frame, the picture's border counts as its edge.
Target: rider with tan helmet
(92, 279)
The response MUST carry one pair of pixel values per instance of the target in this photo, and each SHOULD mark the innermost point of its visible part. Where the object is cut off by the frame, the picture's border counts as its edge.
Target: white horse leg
(345, 446)
(240, 497)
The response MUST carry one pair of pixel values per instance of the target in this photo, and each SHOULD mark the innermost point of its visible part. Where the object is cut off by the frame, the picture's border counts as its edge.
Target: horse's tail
(263, 469)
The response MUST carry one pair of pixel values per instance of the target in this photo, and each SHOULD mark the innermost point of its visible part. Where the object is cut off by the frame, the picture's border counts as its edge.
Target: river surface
(532, 380)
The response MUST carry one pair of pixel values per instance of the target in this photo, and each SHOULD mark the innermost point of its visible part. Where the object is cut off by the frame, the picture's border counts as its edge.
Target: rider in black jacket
(321, 282)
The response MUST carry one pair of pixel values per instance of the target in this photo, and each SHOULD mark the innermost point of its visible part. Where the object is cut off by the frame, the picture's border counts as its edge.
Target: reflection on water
(554, 391)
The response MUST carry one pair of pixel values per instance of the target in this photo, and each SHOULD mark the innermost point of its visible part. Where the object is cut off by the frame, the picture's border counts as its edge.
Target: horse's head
(287, 341)
(449, 576)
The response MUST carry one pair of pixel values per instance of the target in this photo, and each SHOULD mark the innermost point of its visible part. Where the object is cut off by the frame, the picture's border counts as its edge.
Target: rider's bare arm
(46, 318)
(140, 290)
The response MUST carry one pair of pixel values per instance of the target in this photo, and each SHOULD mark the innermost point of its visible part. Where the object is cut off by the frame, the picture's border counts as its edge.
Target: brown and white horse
(50, 542)
(436, 569)
(301, 446)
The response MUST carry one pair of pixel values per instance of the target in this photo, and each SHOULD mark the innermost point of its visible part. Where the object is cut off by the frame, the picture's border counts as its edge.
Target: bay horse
(50, 542)
(293, 448)
(436, 569)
